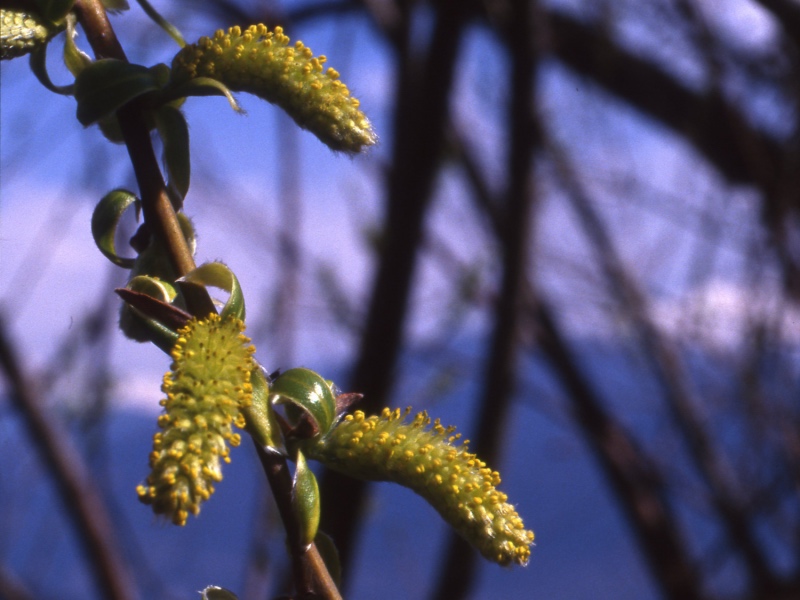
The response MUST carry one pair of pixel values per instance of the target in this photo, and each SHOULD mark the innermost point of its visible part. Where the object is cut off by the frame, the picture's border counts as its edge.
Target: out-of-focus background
(578, 239)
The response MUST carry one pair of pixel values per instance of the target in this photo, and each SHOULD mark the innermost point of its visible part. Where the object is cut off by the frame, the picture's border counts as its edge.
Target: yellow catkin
(454, 481)
(21, 32)
(208, 384)
(263, 62)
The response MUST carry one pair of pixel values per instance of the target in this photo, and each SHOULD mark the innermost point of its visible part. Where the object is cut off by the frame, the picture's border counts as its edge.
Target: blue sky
(51, 273)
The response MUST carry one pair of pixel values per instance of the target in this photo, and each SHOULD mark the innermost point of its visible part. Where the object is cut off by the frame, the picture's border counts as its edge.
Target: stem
(81, 498)
(310, 574)
(159, 214)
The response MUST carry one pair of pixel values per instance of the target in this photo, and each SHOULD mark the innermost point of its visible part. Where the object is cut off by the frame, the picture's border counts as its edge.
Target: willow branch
(161, 219)
(310, 574)
(159, 214)
(500, 371)
(80, 497)
(422, 109)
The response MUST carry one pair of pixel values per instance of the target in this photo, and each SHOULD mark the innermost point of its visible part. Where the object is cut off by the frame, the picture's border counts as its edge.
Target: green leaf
(174, 133)
(153, 287)
(108, 84)
(39, 67)
(162, 22)
(305, 389)
(218, 275)
(202, 86)
(54, 10)
(305, 500)
(74, 58)
(260, 416)
(330, 556)
(105, 221)
(213, 592)
(148, 315)
(116, 5)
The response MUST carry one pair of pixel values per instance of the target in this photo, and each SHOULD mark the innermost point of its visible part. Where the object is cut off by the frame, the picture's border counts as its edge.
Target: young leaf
(305, 500)
(260, 416)
(330, 556)
(108, 84)
(213, 592)
(218, 275)
(306, 390)
(105, 220)
(148, 314)
(174, 133)
(74, 58)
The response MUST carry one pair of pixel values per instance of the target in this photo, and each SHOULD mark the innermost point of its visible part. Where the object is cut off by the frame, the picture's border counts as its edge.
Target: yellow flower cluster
(455, 482)
(208, 385)
(262, 62)
(20, 33)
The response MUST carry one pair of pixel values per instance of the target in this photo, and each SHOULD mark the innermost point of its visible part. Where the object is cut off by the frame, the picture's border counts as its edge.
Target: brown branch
(159, 214)
(715, 127)
(161, 219)
(310, 574)
(81, 498)
(500, 371)
(667, 367)
(424, 83)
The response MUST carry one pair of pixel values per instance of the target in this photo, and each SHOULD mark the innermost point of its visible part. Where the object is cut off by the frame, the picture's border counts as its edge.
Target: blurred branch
(715, 127)
(666, 365)
(500, 367)
(310, 574)
(788, 15)
(11, 587)
(424, 83)
(81, 498)
(633, 477)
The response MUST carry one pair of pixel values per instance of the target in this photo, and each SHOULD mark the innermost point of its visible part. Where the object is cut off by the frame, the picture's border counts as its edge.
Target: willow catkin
(208, 384)
(427, 460)
(263, 62)
(21, 32)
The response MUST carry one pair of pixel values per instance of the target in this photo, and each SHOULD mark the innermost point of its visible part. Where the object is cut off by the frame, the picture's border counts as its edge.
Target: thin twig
(159, 214)
(78, 494)
(308, 569)
(311, 575)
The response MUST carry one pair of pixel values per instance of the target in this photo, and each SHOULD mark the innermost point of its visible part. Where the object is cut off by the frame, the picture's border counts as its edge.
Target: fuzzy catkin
(208, 384)
(262, 62)
(20, 33)
(455, 482)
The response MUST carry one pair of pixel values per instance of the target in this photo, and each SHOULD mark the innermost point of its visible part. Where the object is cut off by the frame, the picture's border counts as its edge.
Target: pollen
(263, 63)
(426, 459)
(208, 385)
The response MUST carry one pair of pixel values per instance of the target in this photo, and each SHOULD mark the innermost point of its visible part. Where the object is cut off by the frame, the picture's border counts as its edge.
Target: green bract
(306, 390)
(263, 63)
(305, 501)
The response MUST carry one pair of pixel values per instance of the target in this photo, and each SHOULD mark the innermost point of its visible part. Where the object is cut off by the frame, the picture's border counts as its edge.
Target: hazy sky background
(51, 272)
